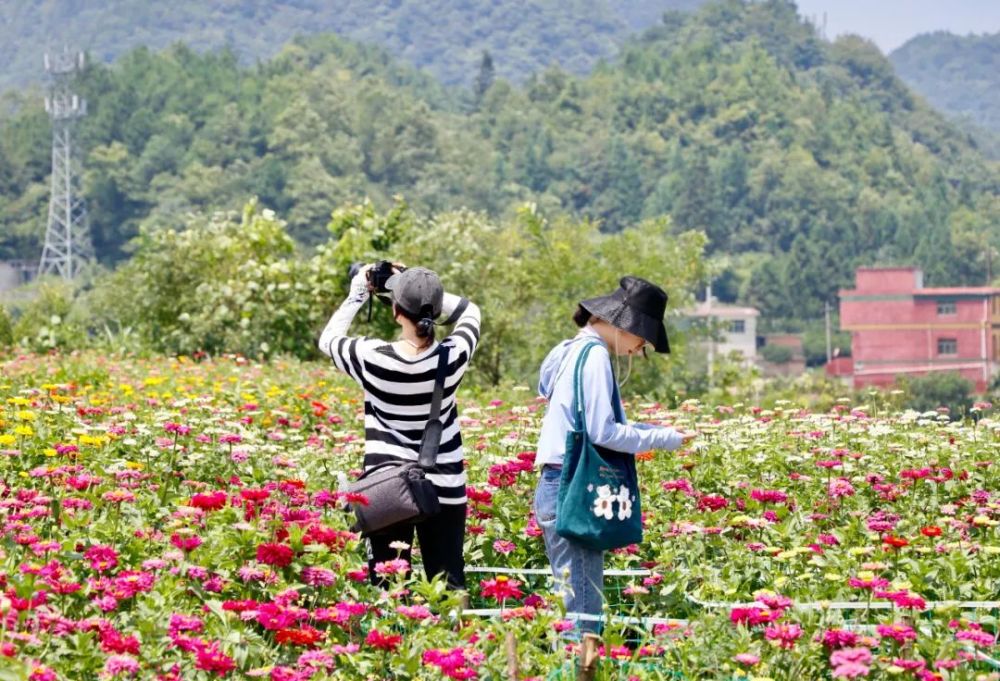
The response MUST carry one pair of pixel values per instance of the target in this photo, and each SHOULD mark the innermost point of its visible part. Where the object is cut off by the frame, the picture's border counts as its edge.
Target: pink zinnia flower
(774, 601)
(501, 588)
(396, 566)
(210, 659)
(768, 496)
(899, 632)
(121, 664)
(873, 583)
(414, 612)
(850, 655)
(185, 543)
(753, 616)
(841, 487)
(784, 635)
(318, 576)
(851, 670)
(839, 638)
(101, 557)
(504, 546)
(976, 637)
(184, 623)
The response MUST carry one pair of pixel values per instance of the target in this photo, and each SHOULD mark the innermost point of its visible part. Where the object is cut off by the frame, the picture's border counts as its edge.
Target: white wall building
(736, 328)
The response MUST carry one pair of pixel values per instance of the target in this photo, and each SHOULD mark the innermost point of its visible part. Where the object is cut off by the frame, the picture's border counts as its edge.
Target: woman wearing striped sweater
(398, 380)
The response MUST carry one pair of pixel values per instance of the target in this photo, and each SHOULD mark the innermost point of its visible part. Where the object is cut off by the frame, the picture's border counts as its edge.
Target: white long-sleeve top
(556, 385)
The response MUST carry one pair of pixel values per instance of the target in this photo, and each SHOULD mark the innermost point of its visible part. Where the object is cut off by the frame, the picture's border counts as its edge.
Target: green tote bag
(598, 504)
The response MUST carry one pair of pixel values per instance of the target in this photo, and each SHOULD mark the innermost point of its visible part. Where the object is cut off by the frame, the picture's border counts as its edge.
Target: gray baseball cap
(416, 289)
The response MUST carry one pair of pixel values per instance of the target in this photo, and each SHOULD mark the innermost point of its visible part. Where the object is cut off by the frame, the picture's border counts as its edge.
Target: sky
(890, 23)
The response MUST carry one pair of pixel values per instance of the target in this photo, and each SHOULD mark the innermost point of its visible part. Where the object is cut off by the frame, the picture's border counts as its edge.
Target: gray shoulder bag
(399, 492)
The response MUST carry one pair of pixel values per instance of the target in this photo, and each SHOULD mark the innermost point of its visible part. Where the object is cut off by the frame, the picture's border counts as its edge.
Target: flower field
(171, 519)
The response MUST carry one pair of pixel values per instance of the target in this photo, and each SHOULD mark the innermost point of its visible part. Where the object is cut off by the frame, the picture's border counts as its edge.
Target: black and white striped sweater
(398, 388)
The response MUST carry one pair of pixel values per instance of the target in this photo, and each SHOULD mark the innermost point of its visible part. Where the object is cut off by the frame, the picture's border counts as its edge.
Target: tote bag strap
(579, 420)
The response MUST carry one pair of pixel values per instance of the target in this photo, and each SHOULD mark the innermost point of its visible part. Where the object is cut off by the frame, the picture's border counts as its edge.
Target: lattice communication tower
(67, 235)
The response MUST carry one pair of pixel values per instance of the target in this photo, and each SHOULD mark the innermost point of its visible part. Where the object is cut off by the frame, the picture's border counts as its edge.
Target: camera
(377, 275)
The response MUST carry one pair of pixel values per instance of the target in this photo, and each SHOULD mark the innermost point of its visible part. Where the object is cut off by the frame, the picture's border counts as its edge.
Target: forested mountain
(959, 75)
(446, 37)
(800, 159)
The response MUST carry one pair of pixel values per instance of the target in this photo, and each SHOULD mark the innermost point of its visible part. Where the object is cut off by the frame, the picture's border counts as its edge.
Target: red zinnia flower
(306, 636)
(377, 639)
(712, 502)
(211, 501)
(277, 555)
(931, 531)
(896, 542)
(356, 498)
(254, 494)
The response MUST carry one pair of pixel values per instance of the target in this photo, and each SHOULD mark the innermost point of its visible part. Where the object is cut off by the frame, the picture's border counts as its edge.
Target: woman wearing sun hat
(622, 323)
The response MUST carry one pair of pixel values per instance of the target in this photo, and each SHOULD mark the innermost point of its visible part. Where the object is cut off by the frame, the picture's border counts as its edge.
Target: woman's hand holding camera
(359, 282)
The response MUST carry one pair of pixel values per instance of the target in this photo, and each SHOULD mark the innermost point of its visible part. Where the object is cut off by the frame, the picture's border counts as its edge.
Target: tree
(485, 77)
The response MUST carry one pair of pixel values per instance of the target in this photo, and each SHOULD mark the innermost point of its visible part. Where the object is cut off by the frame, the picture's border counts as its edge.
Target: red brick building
(899, 328)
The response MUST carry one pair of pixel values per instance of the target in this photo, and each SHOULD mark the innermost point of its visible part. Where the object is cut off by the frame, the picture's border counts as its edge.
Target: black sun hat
(637, 307)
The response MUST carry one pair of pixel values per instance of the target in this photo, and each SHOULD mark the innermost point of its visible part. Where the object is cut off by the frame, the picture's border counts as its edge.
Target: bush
(940, 389)
(776, 354)
(219, 285)
(6, 329)
(47, 323)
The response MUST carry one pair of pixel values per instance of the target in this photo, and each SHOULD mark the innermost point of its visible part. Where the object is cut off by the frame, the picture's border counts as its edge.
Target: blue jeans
(578, 571)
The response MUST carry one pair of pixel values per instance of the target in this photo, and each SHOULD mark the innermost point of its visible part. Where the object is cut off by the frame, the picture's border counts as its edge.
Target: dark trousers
(440, 539)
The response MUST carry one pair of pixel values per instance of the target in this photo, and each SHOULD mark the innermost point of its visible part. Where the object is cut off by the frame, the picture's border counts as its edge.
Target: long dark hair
(424, 321)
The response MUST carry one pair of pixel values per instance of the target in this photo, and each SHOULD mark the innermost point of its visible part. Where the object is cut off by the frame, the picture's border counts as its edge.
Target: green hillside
(446, 37)
(959, 75)
(800, 159)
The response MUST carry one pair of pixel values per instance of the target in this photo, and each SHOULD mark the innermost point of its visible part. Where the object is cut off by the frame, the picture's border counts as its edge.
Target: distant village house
(900, 328)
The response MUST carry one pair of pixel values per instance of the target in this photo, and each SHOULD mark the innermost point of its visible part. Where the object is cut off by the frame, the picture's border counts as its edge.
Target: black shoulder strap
(432, 434)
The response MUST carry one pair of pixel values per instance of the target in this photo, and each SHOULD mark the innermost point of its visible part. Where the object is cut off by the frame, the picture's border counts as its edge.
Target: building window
(737, 326)
(946, 307)
(947, 346)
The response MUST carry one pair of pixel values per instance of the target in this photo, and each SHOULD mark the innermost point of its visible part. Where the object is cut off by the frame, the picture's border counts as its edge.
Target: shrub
(46, 322)
(776, 354)
(940, 389)
(6, 329)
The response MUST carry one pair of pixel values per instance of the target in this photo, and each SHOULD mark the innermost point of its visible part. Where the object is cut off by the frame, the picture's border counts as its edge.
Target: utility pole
(829, 353)
(711, 335)
(67, 235)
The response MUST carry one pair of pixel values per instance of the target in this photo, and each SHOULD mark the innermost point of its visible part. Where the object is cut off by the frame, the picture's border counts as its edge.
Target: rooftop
(958, 291)
(716, 309)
